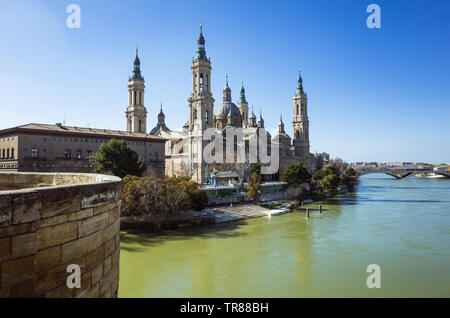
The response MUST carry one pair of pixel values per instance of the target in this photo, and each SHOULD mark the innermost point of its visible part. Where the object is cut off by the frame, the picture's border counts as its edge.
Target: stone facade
(56, 220)
(58, 148)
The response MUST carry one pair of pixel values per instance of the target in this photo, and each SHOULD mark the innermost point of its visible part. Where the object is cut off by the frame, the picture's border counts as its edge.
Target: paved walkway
(237, 212)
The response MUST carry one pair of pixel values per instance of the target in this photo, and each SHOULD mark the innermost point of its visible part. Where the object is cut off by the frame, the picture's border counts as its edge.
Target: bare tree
(188, 169)
(243, 168)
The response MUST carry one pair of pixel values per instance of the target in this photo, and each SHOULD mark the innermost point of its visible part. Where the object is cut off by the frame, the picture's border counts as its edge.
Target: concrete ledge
(277, 212)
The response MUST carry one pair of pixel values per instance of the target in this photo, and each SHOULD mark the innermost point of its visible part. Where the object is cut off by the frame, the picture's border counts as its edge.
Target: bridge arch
(379, 172)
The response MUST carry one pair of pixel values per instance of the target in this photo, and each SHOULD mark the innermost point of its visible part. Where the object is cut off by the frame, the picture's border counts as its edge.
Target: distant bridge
(400, 173)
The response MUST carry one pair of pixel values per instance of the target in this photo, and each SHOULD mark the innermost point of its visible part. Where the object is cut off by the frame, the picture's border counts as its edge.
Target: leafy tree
(256, 168)
(296, 174)
(119, 159)
(350, 172)
(254, 184)
(319, 174)
(330, 182)
(333, 169)
(130, 203)
(198, 197)
(350, 178)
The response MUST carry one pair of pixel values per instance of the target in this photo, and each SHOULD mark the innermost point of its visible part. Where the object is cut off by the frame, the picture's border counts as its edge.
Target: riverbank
(213, 215)
(224, 213)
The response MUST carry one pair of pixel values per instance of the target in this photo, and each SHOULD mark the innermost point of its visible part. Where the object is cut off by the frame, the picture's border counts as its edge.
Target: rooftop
(73, 130)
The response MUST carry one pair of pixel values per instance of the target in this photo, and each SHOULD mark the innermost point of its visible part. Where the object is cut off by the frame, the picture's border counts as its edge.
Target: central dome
(227, 109)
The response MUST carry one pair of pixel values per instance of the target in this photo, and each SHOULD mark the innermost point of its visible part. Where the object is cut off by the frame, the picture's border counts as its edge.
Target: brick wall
(43, 229)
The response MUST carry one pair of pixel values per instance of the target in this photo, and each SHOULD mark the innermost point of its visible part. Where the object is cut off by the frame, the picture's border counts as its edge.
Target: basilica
(184, 146)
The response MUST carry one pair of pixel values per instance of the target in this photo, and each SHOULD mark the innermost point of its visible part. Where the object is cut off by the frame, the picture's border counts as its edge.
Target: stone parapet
(51, 220)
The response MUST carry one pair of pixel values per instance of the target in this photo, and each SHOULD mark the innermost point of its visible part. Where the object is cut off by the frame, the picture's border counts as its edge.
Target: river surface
(401, 225)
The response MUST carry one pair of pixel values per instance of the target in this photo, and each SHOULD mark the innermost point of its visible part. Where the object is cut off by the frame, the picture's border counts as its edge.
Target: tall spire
(299, 84)
(242, 100)
(226, 91)
(281, 126)
(201, 52)
(137, 67)
(161, 116)
(261, 120)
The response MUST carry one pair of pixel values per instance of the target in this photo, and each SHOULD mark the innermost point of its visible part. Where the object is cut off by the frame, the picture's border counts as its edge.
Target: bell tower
(243, 107)
(201, 102)
(136, 112)
(201, 110)
(300, 123)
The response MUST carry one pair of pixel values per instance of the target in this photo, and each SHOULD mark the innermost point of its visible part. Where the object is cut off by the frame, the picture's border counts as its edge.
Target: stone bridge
(400, 173)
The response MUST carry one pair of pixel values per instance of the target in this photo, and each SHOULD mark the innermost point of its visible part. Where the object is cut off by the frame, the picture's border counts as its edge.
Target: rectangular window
(35, 153)
(79, 156)
(12, 153)
(89, 153)
(7, 153)
(67, 154)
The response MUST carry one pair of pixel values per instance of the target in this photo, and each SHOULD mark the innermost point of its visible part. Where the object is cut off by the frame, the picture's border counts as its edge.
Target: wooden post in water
(320, 208)
(307, 213)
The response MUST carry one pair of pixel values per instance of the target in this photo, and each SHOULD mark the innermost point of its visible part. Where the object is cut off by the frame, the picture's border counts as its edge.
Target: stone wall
(57, 220)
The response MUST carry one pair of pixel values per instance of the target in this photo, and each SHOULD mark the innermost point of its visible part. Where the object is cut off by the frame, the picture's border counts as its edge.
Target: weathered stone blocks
(45, 229)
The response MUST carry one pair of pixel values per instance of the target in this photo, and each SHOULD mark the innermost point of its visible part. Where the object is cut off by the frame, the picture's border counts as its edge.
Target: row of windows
(86, 140)
(7, 153)
(78, 154)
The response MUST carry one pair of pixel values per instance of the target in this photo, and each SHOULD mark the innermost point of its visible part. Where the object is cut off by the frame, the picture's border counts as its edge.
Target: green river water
(401, 225)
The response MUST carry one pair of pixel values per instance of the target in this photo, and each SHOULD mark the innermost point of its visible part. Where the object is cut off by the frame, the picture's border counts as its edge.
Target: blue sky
(374, 94)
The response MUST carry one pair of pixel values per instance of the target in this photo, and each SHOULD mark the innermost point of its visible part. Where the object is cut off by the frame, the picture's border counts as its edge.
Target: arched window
(297, 110)
(140, 98)
(303, 109)
(201, 83)
(35, 153)
(140, 125)
(207, 116)
(195, 114)
(195, 82)
(134, 98)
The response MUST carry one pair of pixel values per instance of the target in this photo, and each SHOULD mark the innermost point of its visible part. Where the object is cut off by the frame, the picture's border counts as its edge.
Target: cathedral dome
(227, 109)
(283, 139)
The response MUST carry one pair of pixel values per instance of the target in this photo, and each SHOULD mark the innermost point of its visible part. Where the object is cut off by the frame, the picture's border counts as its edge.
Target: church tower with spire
(243, 107)
(201, 110)
(136, 112)
(201, 102)
(300, 123)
